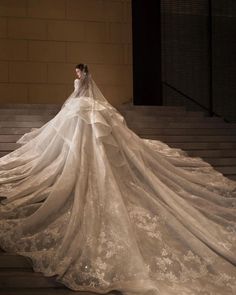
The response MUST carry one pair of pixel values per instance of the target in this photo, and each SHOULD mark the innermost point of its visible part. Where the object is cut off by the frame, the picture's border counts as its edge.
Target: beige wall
(41, 41)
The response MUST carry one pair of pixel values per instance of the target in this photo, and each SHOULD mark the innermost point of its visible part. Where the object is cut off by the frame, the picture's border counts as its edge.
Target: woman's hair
(84, 86)
(83, 68)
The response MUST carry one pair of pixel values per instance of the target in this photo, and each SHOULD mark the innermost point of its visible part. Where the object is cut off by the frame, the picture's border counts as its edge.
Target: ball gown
(100, 208)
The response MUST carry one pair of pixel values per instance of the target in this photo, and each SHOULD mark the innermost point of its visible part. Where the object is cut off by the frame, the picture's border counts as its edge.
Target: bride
(102, 209)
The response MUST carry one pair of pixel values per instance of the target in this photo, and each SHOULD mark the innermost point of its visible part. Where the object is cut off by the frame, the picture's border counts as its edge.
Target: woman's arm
(76, 84)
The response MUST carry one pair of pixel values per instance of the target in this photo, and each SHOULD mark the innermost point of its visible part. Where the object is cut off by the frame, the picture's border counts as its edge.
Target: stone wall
(41, 41)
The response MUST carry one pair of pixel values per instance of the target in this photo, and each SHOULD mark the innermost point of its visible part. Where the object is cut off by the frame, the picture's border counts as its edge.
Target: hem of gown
(141, 285)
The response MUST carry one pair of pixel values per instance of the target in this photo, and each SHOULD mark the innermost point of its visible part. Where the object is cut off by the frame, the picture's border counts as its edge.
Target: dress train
(91, 202)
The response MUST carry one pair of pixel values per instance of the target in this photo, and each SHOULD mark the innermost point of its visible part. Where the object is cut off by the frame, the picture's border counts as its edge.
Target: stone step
(150, 132)
(200, 125)
(21, 124)
(130, 106)
(141, 109)
(232, 176)
(221, 161)
(226, 170)
(157, 113)
(193, 138)
(203, 145)
(49, 291)
(160, 110)
(26, 279)
(13, 266)
(14, 130)
(153, 119)
(29, 106)
(183, 122)
(4, 153)
(195, 114)
(26, 118)
(28, 112)
(212, 153)
(11, 138)
(8, 146)
(12, 260)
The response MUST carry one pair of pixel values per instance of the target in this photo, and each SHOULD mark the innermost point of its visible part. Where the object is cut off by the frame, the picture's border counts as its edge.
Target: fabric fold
(101, 209)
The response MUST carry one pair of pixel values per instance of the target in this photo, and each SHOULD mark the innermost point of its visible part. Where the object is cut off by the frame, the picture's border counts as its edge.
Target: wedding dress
(102, 209)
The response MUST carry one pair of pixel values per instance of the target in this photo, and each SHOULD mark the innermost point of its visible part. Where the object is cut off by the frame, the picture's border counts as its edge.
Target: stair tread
(29, 105)
(48, 291)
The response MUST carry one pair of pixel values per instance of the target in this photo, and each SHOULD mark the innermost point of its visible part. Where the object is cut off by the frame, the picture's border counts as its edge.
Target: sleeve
(76, 84)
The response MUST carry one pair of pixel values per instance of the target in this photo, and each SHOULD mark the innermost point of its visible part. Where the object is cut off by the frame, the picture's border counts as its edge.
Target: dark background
(190, 48)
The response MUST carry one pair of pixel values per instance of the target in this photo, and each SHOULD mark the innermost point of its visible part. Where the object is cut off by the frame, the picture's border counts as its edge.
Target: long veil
(88, 88)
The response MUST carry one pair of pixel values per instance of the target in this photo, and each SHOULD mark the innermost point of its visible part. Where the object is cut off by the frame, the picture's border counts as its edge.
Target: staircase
(210, 138)
(207, 137)
(199, 135)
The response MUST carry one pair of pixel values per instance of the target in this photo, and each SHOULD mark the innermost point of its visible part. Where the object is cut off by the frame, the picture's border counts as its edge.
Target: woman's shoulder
(76, 82)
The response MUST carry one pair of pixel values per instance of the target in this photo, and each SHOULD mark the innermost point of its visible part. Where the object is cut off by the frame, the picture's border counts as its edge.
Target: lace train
(91, 202)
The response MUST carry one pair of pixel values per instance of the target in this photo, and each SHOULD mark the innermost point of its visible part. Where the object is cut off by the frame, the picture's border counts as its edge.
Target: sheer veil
(87, 87)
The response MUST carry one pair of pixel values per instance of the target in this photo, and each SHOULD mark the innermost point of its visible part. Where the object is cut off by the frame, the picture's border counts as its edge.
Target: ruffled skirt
(91, 202)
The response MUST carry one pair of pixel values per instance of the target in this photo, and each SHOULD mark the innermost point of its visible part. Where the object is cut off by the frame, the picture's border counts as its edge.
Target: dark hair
(84, 86)
(82, 67)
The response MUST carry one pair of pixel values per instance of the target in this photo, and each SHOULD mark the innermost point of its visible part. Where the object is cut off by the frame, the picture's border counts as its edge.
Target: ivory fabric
(103, 209)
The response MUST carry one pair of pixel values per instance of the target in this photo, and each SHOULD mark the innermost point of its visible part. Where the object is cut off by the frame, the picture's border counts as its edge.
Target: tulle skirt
(102, 209)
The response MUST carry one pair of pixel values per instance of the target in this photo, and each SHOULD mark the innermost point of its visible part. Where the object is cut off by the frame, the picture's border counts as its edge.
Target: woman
(91, 202)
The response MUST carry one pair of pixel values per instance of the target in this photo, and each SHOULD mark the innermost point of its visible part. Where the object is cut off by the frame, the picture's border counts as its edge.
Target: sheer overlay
(91, 202)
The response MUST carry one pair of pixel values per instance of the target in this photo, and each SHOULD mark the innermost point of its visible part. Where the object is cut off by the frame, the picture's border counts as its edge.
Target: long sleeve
(76, 84)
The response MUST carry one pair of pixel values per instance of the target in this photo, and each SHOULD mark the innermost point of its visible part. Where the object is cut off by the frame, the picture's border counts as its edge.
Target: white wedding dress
(91, 202)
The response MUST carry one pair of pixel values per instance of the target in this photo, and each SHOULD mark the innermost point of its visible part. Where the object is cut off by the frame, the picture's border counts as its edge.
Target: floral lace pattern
(90, 202)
